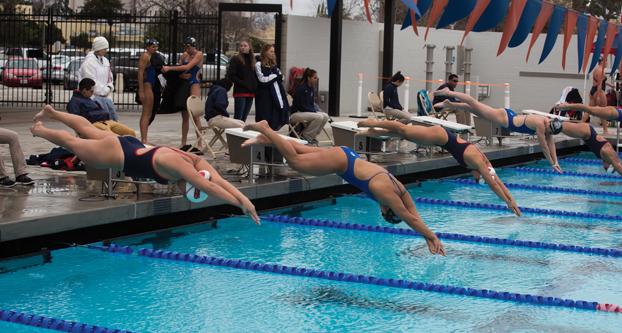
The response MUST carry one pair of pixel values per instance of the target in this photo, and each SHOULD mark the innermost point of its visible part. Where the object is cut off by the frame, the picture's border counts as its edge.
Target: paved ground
(62, 201)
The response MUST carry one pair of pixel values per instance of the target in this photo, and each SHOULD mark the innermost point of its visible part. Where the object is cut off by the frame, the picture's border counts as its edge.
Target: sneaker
(24, 180)
(185, 147)
(6, 182)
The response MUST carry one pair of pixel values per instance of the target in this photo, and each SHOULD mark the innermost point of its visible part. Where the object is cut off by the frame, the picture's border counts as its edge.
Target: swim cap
(390, 217)
(195, 195)
(151, 41)
(555, 125)
(190, 41)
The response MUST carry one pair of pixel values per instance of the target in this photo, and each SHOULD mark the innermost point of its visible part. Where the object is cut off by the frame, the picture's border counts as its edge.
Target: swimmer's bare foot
(36, 128)
(43, 114)
(259, 127)
(259, 139)
(442, 92)
(442, 106)
(368, 123)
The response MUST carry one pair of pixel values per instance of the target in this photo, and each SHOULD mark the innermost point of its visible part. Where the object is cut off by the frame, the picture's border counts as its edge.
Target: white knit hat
(99, 43)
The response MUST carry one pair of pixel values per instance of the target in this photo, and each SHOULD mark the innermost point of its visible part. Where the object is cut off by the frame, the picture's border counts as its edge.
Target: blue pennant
(555, 23)
(527, 20)
(598, 47)
(455, 10)
(494, 13)
(581, 31)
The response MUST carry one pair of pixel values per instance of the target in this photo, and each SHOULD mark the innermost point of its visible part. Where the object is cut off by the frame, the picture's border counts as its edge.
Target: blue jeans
(108, 105)
(242, 106)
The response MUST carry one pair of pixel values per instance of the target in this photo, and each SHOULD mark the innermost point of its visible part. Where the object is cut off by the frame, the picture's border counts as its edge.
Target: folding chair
(195, 108)
(294, 126)
(375, 104)
(426, 108)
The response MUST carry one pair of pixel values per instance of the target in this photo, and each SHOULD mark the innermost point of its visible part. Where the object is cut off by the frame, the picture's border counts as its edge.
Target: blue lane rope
(465, 181)
(53, 323)
(567, 173)
(541, 211)
(576, 160)
(443, 235)
(363, 279)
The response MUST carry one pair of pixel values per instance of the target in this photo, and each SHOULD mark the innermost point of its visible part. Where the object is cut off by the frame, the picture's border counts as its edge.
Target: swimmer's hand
(557, 168)
(514, 208)
(435, 246)
(249, 209)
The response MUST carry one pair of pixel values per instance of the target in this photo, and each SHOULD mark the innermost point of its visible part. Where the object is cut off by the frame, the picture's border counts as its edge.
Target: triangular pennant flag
(527, 19)
(543, 17)
(592, 25)
(602, 29)
(618, 58)
(494, 13)
(557, 19)
(412, 5)
(570, 22)
(367, 12)
(407, 21)
(331, 6)
(438, 7)
(423, 6)
(455, 10)
(581, 31)
(476, 13)
(511, 21)
(612, 28)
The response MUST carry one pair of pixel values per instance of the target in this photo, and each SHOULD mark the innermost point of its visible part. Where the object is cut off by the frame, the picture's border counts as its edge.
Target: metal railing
(53, 46)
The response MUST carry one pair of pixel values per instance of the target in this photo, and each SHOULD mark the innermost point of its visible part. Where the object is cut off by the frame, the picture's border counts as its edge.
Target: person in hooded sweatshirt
(97, 68)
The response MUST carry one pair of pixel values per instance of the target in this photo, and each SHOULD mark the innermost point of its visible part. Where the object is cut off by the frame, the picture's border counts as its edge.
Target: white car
(208, 71)
(57, 69)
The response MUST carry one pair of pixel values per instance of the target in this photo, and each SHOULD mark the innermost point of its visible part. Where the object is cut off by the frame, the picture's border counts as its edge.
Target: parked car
(57, 69)
(22, 72)
(70, 77)
(208, 71)
(72, 53)
(128, 66)
(24, 52)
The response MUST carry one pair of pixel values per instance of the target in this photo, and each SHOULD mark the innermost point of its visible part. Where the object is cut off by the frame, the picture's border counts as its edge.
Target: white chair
(196, 108)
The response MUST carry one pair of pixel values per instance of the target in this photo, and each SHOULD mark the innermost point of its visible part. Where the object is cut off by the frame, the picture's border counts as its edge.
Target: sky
(301, 7)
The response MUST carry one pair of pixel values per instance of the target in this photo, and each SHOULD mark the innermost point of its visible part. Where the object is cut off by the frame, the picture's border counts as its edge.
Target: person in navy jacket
(391, 101)
(216, 106)
(305, 110)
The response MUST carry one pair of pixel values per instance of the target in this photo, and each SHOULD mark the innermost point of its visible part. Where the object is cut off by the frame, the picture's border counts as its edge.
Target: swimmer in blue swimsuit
(146, 85)
(465, 153)
(102, 150)
(595, 143)
(191, 61)
(602, 112)
(395, 202)
(527, 124)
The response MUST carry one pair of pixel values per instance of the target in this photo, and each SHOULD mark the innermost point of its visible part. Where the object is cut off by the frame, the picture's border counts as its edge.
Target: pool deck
(62, 201)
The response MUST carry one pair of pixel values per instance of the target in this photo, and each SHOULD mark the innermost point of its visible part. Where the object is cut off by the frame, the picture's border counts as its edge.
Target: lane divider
(362, 279)
(540, 211)
(465, 181)
(53, 323)
(442, 235)
(576, 160)
(566, 173)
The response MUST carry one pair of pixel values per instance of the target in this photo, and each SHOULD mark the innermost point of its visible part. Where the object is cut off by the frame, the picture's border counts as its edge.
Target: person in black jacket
(304, 108)
(241, 72)
(216, 106)
(391, 101)
(271, 99)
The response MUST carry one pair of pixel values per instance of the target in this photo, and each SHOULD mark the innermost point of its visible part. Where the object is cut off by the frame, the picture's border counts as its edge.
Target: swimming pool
(143, 294)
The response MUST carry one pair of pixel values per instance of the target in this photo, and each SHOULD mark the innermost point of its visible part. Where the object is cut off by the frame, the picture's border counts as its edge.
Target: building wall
(308, 42)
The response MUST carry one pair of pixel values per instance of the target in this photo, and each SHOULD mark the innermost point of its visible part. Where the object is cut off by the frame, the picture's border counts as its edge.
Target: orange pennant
(543, 17)
(592, 25)
(569, 24)
(367, 12)
(511, 22)
(413, 19)
(612, 29)
(438, 7)
(477, 12)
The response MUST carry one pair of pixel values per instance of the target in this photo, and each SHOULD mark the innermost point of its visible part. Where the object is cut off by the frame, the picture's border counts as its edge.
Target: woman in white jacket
(97, 68)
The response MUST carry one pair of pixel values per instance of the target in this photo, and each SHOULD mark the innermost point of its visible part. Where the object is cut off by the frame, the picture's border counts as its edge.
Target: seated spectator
(305, 110)
(216, 106)
(81, 104)
(391, 101)
(570, 95)
(462, 117)
(17, 156)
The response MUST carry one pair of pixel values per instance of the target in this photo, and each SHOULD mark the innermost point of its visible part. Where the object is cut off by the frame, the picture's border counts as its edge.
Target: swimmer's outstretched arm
(497, 186)
(606, 112)
(546, 142)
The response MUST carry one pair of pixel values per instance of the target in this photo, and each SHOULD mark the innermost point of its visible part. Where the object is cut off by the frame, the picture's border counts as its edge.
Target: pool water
(149, 295)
